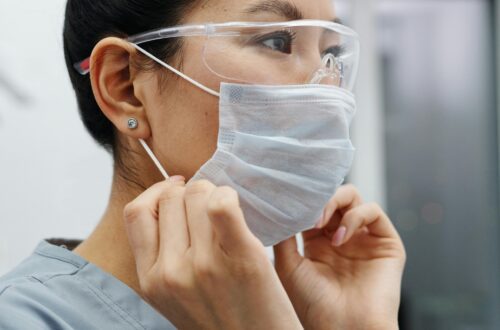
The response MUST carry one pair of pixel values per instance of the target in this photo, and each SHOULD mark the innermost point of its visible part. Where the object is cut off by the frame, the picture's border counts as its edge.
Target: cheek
(201, 123)
(194, 65)
(187, 120)
(185, 128)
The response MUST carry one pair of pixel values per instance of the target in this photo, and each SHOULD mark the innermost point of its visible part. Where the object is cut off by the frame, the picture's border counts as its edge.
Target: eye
(336, 51)
(280, 41)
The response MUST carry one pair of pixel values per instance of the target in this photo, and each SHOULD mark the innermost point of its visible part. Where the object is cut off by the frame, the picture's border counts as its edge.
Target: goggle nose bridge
(328, 61)
(331, 66)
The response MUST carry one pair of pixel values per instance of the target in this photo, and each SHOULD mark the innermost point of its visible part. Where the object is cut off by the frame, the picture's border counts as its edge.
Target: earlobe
(113, 87)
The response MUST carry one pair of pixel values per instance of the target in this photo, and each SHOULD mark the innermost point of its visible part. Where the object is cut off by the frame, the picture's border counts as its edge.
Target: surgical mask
(284, 149)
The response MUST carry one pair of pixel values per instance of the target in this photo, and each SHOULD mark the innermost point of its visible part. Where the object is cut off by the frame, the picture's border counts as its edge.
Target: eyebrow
(281, 8)
(278, 7)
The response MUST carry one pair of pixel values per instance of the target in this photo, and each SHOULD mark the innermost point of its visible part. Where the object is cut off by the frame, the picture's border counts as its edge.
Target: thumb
(287, 256)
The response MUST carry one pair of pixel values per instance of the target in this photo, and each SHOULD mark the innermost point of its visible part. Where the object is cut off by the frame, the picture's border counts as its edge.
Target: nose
(330, 72)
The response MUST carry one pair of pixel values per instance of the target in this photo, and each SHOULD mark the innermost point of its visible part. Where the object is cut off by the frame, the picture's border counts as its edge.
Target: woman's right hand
(198, 263)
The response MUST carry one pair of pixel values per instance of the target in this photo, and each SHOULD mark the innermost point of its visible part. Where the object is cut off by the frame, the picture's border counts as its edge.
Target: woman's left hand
(350, 275)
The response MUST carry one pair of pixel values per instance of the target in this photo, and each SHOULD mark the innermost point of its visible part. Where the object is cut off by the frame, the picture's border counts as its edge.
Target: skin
(352, 286)
(351, 271)
(199, 264)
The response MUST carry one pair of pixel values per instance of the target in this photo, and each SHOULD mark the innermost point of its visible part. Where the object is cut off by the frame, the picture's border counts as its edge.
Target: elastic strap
(174, 70)
(153, 157)
(182, 75)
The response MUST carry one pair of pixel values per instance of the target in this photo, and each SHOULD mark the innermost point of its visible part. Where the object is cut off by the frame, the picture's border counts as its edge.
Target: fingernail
(339, 236)
(177, 178)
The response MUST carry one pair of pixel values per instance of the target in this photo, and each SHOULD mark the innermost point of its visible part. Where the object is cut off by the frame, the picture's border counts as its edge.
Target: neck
(107, 247)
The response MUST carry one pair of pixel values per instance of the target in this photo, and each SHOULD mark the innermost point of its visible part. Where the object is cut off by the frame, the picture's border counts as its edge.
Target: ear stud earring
(132, 123)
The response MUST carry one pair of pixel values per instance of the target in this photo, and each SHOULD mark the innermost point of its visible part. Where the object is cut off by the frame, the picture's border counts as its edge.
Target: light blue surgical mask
(284, 149)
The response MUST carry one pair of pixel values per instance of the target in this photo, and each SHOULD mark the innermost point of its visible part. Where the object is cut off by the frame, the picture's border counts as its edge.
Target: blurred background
(427, 135)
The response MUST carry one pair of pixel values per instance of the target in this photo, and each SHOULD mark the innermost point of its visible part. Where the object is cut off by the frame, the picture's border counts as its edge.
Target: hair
(89, 21)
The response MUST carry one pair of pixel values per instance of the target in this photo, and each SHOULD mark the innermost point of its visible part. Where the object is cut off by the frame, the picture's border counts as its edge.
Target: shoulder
(30, 295)
(23, 305)
(57, 289)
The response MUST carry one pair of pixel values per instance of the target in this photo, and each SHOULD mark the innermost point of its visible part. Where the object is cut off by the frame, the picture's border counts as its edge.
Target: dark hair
(89, 21)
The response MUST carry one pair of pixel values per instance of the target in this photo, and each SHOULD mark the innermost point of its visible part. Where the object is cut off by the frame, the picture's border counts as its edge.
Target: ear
(112, 77)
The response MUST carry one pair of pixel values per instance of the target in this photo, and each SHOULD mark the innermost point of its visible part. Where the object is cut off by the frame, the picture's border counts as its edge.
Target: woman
(254, 117)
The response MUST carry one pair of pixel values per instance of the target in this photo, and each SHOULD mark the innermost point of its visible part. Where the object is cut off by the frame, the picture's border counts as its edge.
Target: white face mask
(284, 149)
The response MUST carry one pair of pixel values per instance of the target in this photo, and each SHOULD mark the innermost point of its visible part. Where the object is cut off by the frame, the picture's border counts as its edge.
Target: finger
(370, 216)
(345, 198)
(286, 256)
(327, 231)
(174, 234)
(196, 199)
(141, 224)
(227, 218)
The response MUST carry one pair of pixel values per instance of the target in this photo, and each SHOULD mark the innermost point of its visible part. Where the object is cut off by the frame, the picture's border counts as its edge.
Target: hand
(350, 275)
(198, 263)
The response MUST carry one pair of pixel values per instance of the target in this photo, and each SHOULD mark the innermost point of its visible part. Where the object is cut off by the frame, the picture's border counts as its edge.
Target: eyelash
(290, 35)
(337, 50)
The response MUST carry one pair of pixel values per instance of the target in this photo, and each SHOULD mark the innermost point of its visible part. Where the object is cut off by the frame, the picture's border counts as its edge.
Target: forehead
(262, 10)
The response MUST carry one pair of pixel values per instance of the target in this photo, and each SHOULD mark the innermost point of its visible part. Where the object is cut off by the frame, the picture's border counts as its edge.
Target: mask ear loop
(182, 75)
(153, 157)
(177, 72)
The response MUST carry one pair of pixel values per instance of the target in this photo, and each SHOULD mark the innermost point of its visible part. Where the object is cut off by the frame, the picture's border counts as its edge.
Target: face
(183, 119)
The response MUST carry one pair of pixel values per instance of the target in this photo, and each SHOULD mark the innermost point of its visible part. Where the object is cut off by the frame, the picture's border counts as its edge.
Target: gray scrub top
(56, 289)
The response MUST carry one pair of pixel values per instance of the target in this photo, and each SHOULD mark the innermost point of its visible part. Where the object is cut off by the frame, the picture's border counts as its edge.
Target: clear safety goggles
(281, 53)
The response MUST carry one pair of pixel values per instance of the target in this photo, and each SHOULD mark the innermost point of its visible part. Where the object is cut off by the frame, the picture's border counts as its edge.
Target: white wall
(54, 180)
(368, 172)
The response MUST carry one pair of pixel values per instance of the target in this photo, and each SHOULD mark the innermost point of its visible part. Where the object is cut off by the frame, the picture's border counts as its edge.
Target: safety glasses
(281, 53)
